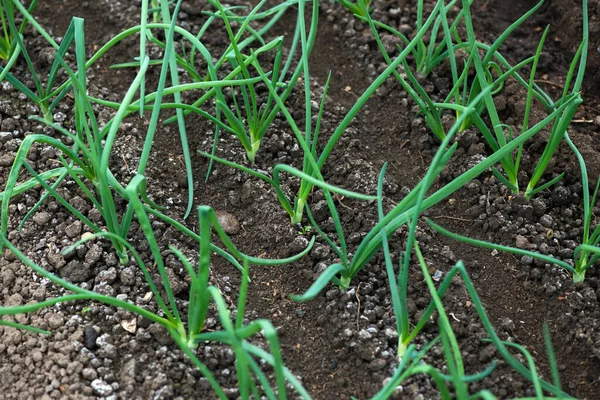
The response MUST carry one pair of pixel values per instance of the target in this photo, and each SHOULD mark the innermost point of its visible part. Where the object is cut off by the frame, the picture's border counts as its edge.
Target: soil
(343, 343)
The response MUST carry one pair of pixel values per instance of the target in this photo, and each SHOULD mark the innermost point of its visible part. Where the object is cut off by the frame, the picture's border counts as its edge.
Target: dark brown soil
(341, 344)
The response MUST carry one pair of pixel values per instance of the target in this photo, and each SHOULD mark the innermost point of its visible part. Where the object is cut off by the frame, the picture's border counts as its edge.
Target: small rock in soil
(297, 245)
(42, 218)
(229, 222)
(561, 196)
(377, 365)
(89, 374)
(487, 354)
(76, 271)
(539, 207)
(73, 230)
(522, 242)
(546, 220)
(364, 335)
(89, 338)
(56, 259)
(93, 254)
(55, 320)
(5, 137)
(6, 160)
(108, 276)
(101, 387)
(551, 290)
(127, 276)
(160, 334)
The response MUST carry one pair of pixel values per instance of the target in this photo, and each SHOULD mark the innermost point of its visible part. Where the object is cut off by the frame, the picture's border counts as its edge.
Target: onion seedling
(431, 113)
(212, 86)
(187, 333)
(359, 8)
(87, 162)
(562, 121)
(255, 115)
(497, 139)
(426, 57)
(410, 360)
(415, 202)
(450, 347)
(43, 96)
(313, 165)
(584, 255)
(528, 372)
(92, 164)
(311, 171)
(588, 252)
(578, 275)
(8, 43)
(187, 60)
(258, 118)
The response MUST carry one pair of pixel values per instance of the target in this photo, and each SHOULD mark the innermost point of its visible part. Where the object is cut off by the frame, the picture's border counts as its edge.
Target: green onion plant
(187, 332)
(12, 46)
(426, 56)
(497, 139)
(250, 111)
(259, 116)
(313, 162)
(462, 91)
(87, 161)
(410, 359)
(8, 44)
(454, 362)
(416, 201)
(584, 255)
(358, 8)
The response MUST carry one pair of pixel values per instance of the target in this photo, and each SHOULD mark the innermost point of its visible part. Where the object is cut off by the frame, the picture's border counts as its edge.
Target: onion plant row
(489, 71)
(187, 331)
(248, 116)
(87, 161)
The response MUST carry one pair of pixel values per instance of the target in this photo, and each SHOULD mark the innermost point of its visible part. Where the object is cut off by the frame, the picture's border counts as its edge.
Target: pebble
(42, 218)
(73, 230)
(55, 320)
(76, 271)
(527, 260)
(377, 365)
(6, 160)
(93, 254)
(101, 387)
(127, 276)
(364, 335)
(332, 293)
(522, 242)
(108, 276)
(5, 137)
(561, 196)
(229, 222)
(89, 374)
(487, 353)
(89, 338)
(539, 207)
(551, 290)
(391, 335)
(546, 220)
